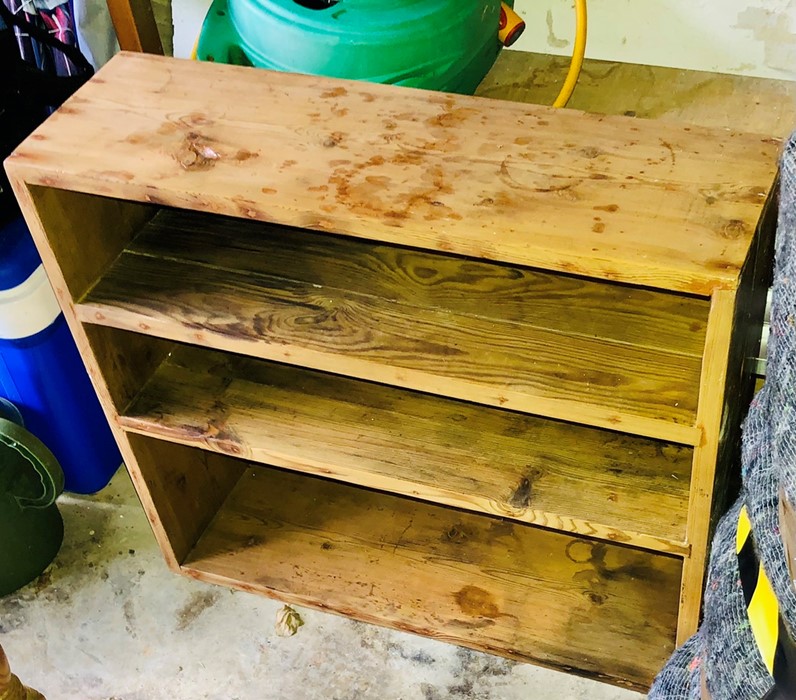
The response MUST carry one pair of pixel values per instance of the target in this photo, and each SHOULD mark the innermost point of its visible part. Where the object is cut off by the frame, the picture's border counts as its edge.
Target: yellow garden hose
(577, 55)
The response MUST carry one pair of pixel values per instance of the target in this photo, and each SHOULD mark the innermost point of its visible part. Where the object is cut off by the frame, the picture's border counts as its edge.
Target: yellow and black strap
(773, 640)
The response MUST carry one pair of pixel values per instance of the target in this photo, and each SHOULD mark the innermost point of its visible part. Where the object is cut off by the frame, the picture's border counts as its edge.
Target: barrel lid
(10, 412)
(18, 255)
(28, 469)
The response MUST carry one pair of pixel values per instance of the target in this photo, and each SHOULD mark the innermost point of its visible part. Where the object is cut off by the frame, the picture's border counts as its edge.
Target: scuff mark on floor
(473, 675)
(196, 605)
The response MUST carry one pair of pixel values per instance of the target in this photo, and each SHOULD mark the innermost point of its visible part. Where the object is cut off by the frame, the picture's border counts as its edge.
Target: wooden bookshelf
(464, 367)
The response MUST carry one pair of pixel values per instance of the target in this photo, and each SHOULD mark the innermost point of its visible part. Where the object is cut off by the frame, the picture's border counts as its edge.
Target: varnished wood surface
(743, 103)
(85, 233)
(186, 488)
(417, 278)
(663, 205)
(581, 605)
(727, 386)
(126, 360)
(11, 687)
(551, 474)
(712, 385)
(481, 358)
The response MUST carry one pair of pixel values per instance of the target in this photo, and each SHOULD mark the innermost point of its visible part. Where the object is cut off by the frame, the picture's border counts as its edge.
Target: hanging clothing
(54, 18)
(31, 56)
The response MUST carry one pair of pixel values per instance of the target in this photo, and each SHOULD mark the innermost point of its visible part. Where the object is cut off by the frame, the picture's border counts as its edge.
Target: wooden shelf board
(561, 476)
(598, 609)
(677, 204)
(417, 278)
(482, 358)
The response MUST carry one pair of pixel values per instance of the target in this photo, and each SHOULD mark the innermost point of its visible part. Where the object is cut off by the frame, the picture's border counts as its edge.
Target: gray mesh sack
(724, 648)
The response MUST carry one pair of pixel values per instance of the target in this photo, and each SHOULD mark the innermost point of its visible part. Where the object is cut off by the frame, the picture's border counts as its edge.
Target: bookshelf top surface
(672, 206)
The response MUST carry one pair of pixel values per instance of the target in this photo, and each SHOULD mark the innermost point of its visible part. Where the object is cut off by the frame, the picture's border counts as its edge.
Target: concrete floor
(108, 621)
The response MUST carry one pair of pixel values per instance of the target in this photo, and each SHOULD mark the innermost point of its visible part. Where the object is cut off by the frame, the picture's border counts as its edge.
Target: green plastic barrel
(446, 45)
(31, 528)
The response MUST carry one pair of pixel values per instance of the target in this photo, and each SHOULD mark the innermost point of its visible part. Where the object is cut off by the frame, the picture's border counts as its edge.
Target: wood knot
(521, 498)
(456, 534)
(596, 598)
(734, 229)
(333, 139)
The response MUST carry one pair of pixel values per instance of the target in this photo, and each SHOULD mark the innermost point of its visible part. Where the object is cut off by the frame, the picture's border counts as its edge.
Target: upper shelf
(662, 205)
(601, 354)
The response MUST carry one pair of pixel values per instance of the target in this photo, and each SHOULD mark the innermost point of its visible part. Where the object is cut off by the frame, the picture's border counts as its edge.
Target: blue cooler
(41, 370)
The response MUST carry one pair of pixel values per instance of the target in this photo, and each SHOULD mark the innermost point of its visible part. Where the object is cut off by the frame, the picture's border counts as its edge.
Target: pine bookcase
(460, 366)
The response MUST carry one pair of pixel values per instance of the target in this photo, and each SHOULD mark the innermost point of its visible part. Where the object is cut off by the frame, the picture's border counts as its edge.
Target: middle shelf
(549, 473)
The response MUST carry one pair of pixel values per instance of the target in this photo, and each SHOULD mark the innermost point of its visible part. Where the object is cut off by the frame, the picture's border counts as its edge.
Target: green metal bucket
(446, 45)
(31, 528)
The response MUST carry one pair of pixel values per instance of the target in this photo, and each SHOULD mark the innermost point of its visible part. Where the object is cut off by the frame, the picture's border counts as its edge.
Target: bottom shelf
(582, 605)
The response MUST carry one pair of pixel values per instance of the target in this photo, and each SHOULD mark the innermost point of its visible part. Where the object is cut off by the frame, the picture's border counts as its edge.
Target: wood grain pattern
(557, 475)
(585, 606)
(661, 205)
(185, 489)
(580, 378)
(125, 361)
(534, 222)
(716, 100)
(727, 388)
(85, 232)
(410, 277)
(711, 399)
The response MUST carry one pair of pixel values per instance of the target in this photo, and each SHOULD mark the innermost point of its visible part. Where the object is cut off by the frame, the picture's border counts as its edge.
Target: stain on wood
(477, 602)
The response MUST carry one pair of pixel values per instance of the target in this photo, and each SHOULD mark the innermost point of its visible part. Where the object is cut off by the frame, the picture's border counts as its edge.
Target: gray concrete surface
(108, 621)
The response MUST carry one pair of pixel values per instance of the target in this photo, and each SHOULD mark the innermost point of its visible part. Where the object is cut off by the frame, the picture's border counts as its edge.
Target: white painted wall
(748, 37)
(188, 16)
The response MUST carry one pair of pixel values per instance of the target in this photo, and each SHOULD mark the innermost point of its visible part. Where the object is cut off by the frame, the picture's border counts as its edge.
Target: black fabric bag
(27, 94)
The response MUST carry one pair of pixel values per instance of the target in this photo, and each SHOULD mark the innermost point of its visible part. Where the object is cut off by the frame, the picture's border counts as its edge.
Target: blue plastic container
(41, 370)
